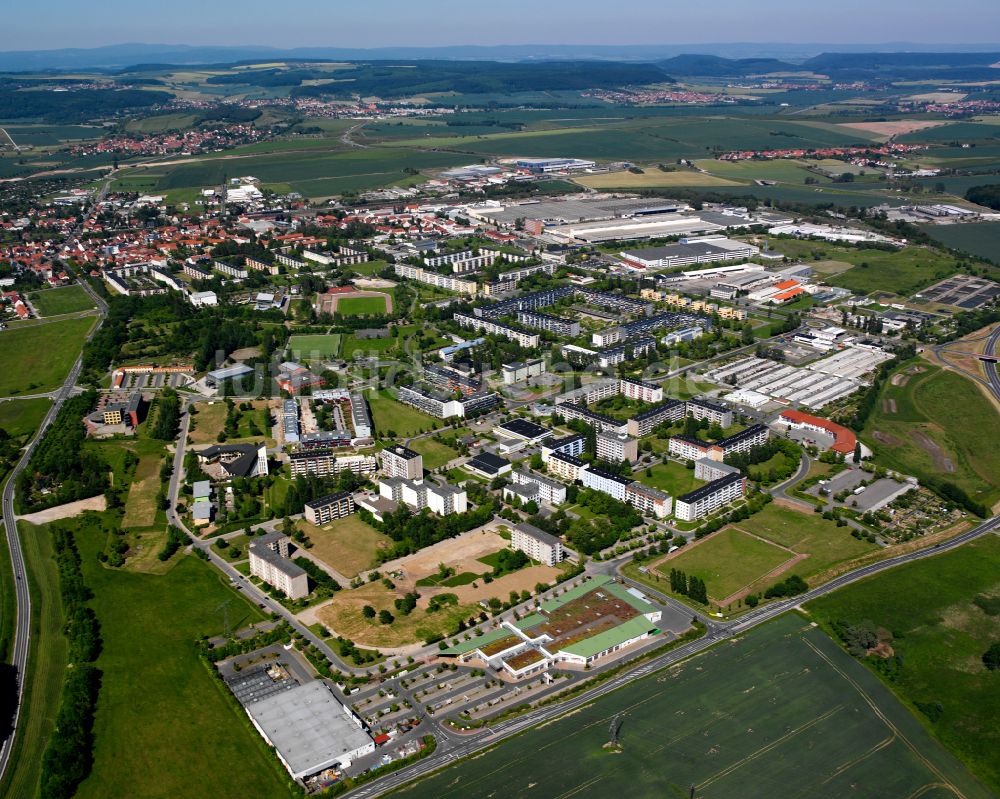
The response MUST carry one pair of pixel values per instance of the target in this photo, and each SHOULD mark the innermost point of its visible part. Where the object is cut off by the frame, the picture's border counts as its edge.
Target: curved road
(22, 633)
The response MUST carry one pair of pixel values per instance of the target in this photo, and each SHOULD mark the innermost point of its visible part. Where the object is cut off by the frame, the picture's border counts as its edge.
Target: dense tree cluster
(322, 581)
(790, 586)
(692, 587)
(176, 538)
(168, 415)
(61, 464)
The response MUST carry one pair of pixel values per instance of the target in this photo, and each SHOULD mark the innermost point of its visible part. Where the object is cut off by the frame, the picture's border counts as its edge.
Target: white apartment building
(269, 561)
(326, 509)
(398, 461)
(649, 501)
(606, 482)
(567, 467)
(710, 497)
(537, 544)
(641, 390)
(547, 490)
(617, 447)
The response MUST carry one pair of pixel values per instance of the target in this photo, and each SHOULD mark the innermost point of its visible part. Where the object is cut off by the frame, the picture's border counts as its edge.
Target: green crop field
(782, 711)
(22, 417)
(727, 561)
(314, 347)
(977, 238)
(940, 633)
(361, 306)
(674, 478)
(937, 429)
(68, 299)
(158, 697)
(435, 453)
(390, 414)
(783, 170)
(22, 371)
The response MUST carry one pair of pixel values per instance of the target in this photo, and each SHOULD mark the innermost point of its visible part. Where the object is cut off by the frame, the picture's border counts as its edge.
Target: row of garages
(779, 381)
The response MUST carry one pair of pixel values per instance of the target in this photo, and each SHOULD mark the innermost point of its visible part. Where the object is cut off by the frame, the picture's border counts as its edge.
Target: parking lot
(876, 495)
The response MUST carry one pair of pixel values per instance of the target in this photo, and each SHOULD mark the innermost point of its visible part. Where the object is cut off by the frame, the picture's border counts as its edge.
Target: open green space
(67, 299)
(674, 478)
(314, 347)
(158, 697)
(394, 419)
(939, 631)
(728, 561)
(347, 545)
(22, 371)
(22, 417)
(936, 427)
(435, 453)
(361, 306)
(807, 533)
(978, 238)
(351, 344)
(782, 711)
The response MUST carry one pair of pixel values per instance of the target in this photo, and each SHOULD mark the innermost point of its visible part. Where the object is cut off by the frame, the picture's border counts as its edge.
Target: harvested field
(896, 127)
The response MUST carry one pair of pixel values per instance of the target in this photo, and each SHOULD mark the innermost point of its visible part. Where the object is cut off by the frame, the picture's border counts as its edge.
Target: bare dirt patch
(886, 438)
(941, 461)
(896, 127)
(67, 511)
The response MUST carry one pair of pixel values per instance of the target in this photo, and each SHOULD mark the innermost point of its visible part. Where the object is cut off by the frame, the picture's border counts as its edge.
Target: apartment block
(332, 506)
(269, 561)
(398, 461)
(649, 501)
(710, 497)
(537, 544)
(617, 447)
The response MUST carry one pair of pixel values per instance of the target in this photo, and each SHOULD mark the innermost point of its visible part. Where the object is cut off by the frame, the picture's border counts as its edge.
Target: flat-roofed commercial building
(705, 250)
(269, 561)
(523, 430)
(399, 461)
(710, 497)
(537, 544)
(332, 506)
(309, 729)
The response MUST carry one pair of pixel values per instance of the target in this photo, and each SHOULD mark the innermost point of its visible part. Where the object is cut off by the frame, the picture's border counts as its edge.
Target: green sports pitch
(314, 347)
(781, 712)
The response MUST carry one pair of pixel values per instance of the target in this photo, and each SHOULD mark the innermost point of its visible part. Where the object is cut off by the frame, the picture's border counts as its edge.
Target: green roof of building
(530, 621)
(575, 593)
(622, 592)
(476, 642)
(601, 642)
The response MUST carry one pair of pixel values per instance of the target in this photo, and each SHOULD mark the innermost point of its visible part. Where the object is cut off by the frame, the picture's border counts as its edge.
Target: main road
(22, 631)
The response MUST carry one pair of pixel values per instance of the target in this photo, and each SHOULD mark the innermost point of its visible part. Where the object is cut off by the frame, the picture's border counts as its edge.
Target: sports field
(941, 619)
(780, 712)
(934, 426)
(314, 347)
(361, 306)
(348, 545)
(68, 299)
(728, 561)
(22, 371)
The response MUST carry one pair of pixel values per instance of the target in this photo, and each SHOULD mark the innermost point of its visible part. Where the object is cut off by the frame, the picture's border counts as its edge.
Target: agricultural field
(347, 545)
(23, 372)
(782, 170)
(652, 178)
(141, 709)
(436, 454)
(361, 306)
(315, 347)
(981, 239)
(729, 562)
(68, 299)
(782, 711)
(391, 415)
(674, 478)
(22, 417)
(942, 615)
(930, 421)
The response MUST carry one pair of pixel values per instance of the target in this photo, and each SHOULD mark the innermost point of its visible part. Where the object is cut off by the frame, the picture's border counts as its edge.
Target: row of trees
(68, 758)
(692, 587)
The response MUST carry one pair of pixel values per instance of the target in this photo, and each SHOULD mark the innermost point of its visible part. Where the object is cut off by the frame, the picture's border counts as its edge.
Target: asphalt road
(22, 633)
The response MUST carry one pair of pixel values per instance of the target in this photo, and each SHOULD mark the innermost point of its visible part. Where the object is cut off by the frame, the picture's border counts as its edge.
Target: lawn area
(312, 348)
(435, 453)
(68, 299)
(674, 478)
(728, 561)
(210, 420)
(940, 633)
(780, 711)
(22, 417)
(140, 507)
(23, 372)
(937, 430)
(46, 665)
(156, 695)
(361, 306)
(807, 534)
(394, 419)
(347, 545)
(652, 178)
(380, 346)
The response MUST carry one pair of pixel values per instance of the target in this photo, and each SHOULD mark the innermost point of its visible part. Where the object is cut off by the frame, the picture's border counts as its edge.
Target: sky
(53, 24)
